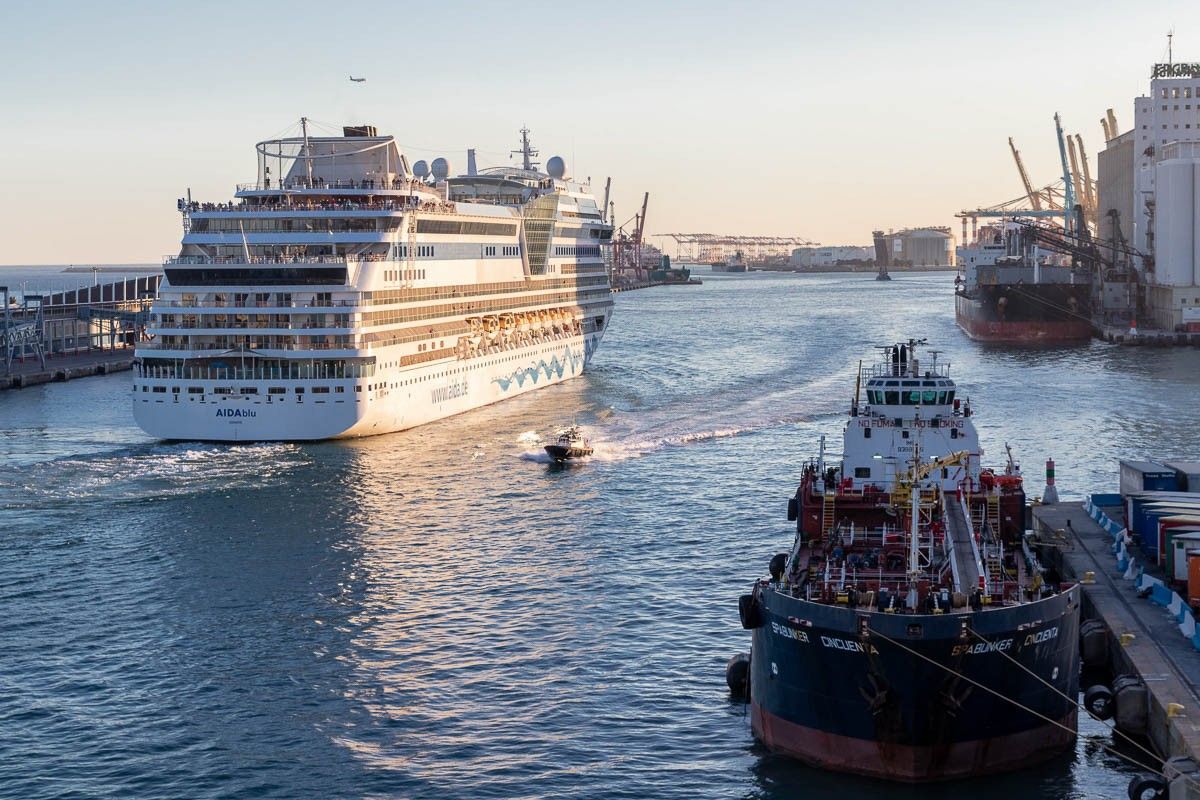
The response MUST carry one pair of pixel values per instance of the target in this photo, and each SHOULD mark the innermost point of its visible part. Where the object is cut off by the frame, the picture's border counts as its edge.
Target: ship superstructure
(911, 632)
(349, 293)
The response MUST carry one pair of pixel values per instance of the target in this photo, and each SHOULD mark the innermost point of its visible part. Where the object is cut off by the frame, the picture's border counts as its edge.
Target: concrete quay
(1146, 338)
(1143, 638)
(66, 367)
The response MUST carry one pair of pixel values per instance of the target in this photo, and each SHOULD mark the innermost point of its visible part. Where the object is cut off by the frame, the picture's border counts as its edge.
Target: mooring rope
(1112, 728)
(1108, 748)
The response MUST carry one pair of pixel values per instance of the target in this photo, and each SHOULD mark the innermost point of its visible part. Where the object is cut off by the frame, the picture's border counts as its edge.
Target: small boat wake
(618, 435)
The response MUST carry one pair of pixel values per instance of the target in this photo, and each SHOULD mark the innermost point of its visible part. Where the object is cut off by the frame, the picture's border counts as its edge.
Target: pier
(62, 335)
(1143, 638)
(1132, 337)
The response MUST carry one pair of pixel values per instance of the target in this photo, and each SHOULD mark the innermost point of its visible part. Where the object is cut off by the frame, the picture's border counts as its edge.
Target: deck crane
(1034, 198)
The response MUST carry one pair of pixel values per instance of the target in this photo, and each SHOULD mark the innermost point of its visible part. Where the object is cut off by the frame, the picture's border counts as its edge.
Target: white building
(1170, 113)
(1167, 191)
(1150, 176)
(830, 255)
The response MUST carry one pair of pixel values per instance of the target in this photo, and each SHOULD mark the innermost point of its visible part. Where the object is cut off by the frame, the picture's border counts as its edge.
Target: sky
(820, 120)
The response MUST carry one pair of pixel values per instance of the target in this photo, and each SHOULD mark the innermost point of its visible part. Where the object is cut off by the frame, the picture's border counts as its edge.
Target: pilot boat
(570, 444)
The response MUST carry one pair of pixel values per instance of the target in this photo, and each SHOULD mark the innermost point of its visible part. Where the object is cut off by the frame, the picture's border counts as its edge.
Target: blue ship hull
(823, 692)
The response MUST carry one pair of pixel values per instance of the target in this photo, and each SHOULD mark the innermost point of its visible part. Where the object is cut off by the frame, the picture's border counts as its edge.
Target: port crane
(1035, 199)
(627, 246)
(1056, 200)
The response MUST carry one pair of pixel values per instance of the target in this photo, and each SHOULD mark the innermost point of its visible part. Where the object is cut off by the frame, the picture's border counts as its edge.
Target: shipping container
(1187, 474)
(1147, 476)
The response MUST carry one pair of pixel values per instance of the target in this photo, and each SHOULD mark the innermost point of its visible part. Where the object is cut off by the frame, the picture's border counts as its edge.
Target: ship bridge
(912, 410)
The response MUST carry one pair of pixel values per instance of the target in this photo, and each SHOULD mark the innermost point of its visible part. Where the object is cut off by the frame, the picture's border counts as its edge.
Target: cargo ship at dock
(911, 633)
(1010, 291)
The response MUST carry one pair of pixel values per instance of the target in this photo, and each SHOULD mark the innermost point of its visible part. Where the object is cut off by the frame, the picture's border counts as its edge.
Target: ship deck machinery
(911, 633)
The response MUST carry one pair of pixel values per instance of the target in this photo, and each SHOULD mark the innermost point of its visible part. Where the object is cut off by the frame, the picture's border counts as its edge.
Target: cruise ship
(347, 292)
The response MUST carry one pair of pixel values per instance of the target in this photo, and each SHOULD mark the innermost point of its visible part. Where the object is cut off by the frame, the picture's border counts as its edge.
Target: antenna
(1170, 36)
(527, 151)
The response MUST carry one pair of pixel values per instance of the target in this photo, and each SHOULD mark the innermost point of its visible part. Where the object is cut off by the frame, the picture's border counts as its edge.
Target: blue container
(1147, 476)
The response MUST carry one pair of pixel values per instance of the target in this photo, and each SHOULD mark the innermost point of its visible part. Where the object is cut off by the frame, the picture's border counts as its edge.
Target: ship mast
(914, 541)
(527, 151)
(307, 151)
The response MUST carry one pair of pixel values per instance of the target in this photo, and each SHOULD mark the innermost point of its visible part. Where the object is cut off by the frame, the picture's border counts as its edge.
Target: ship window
(866, 433)
(929, 396)
(912, 397)
(299, 390)
(954, 433)
(222, 390)
(893, 398)
(195, 390)
(249, 390)
(862, 472)
(941, 398)
(159, 389)
(950, 396)
(320, 390)
(903, 434)
(277, 390)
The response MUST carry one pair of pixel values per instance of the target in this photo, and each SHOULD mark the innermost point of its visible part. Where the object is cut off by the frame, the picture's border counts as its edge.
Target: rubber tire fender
(1100, 701)
(749, 611)
(1147, 787)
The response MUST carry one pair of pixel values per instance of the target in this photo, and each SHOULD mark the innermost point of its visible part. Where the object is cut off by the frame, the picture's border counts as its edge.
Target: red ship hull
(913, 763)
(983, 325)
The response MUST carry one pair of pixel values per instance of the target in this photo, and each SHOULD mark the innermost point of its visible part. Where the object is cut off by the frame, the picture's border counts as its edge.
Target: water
(440, 613)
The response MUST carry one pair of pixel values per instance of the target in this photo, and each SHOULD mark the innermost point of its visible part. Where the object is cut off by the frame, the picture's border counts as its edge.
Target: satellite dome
(440, 168)
(556, 167)
(420, 169)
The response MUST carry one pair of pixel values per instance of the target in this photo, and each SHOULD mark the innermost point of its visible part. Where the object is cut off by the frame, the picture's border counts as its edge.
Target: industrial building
(831, 256)
(1149, 194)
(916, 247)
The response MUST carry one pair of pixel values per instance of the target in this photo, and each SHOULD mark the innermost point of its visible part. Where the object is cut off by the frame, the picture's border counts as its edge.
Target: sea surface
(440, 613)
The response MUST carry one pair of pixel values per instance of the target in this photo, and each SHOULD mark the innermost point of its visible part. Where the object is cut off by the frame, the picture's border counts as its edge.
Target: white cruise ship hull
(365, 407)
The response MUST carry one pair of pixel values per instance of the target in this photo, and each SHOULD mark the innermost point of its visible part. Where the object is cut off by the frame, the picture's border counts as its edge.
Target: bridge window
(893, 398)
(862, 472)
(929, 396)
(941, 398)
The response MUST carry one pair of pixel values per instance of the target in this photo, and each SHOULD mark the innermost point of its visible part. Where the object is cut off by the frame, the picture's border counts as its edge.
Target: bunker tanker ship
(911, 633)
(348, 293)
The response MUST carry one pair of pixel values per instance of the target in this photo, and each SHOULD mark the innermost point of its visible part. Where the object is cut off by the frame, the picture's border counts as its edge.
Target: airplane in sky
(358, 80)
